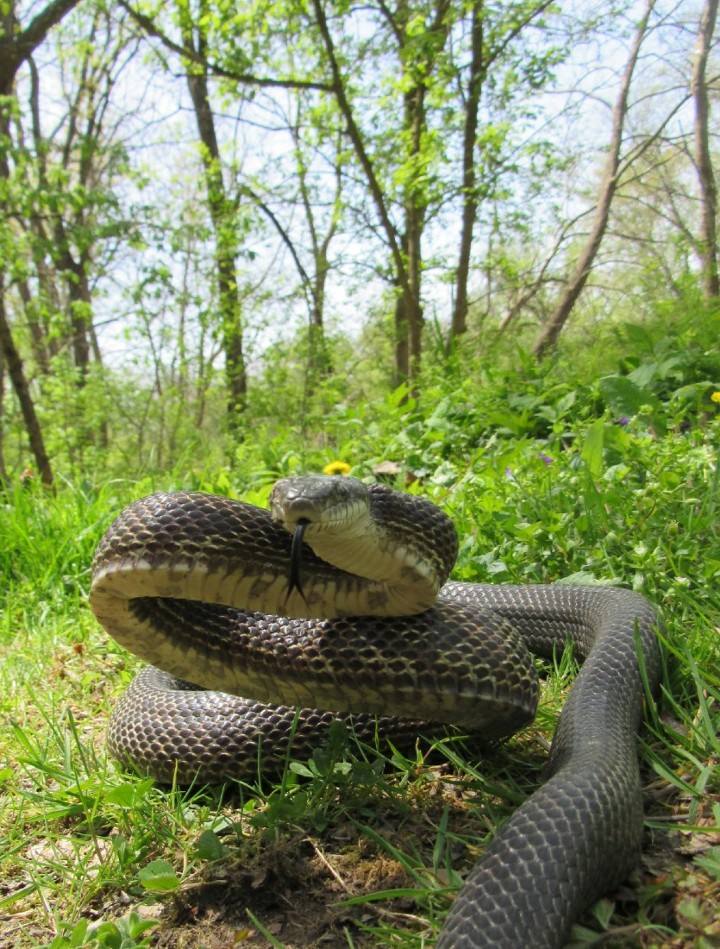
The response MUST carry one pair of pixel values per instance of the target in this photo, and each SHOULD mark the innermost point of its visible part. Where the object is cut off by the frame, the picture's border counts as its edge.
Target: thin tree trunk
(403, 312)
(3, 469)
(11, 357)
(16, 46)
(408, 311)
(226, 242)
(319, 364)
(481, 60)
(550, 332)
(76, 278)
(406, 250)
(703, 158)
(470, 201)
(74, 270)
(37, 335)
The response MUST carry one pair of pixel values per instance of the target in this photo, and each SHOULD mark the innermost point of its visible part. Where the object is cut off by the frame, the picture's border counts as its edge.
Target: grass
(360, 847)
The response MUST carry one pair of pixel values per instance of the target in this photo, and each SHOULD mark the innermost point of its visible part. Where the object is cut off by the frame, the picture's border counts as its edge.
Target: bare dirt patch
(295, 889)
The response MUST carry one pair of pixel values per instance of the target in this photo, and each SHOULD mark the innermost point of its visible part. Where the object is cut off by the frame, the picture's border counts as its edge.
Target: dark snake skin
(465, 660)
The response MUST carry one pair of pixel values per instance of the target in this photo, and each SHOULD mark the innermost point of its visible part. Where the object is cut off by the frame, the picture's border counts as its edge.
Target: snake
(264, 627)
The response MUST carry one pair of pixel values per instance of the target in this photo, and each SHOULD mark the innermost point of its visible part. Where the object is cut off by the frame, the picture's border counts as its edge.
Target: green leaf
(107, 934)
(77, 937)
(159, 877)
(128, 795)
(710, 862)
(623, 396)
(592, 450)
(638, 336)
(580, 578)
(209, 846)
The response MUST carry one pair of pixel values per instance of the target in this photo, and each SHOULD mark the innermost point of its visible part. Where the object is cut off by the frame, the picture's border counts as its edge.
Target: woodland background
(225, 222)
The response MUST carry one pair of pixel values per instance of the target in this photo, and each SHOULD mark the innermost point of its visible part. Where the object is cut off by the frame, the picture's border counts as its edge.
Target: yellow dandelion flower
(337, 468)
(715, 397)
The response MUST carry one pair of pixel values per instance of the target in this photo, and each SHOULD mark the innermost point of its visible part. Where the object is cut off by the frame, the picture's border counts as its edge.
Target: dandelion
(337, 468)
(715, 397)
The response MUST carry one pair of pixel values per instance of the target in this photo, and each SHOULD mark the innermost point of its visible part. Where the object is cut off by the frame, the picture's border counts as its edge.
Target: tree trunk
(3, 469)
(76, 277)
(550, 332)
(481, 60)
(406, 308)
(319, 363)
(470, 202)
(222, 212)
(11, 358)
(703, 158)
(37, 334)
(413, 310)
(16, 46)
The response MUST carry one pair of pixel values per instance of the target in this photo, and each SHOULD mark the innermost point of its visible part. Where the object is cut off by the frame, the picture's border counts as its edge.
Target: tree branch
(15, 48)
(338, 89)
(192, 56)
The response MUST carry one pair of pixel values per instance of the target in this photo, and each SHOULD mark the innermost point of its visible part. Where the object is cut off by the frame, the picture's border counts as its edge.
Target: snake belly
(197, 586)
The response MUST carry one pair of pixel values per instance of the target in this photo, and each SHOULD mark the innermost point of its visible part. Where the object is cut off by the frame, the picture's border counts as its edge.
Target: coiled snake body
(194, 584)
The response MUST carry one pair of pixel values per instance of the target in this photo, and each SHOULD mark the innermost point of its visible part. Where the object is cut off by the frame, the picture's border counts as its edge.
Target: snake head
(316, 504)
(396, 548)
(325, 503)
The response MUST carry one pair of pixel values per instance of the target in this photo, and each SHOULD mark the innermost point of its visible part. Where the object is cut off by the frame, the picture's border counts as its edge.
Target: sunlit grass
(368, 845)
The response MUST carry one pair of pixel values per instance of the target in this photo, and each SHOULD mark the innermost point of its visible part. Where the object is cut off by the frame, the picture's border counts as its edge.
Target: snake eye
(296, 559)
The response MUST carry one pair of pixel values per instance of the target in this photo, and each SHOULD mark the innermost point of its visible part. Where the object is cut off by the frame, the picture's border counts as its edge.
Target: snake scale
(216, 594)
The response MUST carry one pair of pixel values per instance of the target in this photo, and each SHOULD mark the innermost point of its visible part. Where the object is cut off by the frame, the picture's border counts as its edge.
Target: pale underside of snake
(216, 594)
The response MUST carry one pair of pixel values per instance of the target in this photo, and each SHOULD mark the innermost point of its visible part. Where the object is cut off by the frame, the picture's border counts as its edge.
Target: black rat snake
(192, 583)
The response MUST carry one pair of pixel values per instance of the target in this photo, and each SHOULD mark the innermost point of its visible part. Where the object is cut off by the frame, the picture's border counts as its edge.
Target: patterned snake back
(198, 586)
